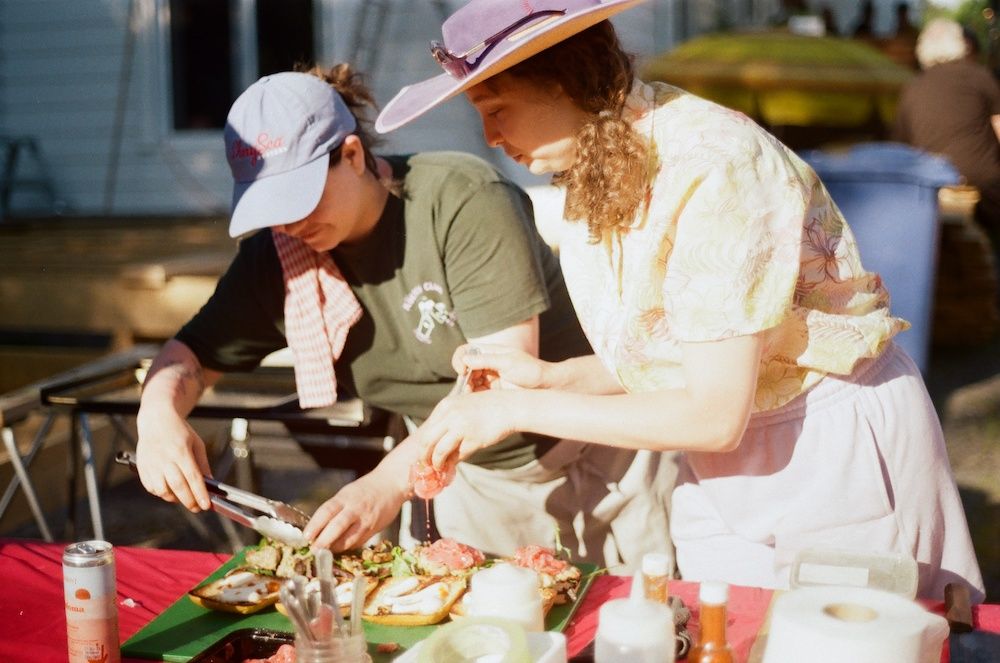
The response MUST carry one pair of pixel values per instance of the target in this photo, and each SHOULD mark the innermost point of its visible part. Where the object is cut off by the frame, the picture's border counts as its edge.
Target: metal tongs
(280, 521)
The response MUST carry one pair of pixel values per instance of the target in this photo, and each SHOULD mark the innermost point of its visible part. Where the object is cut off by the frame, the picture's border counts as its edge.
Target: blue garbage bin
(888, 194)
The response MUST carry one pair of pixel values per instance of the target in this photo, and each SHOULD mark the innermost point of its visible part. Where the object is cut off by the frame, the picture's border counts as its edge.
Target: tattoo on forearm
(186, 373)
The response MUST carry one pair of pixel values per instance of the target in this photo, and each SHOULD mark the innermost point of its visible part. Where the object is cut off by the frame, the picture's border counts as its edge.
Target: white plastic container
(635, 630)
(506, 592)
(496, 641)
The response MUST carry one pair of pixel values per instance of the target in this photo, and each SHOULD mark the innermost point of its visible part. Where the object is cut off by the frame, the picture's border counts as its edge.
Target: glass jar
(352, 649)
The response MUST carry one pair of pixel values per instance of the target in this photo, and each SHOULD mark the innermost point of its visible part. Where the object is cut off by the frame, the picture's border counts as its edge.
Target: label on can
(91, 604)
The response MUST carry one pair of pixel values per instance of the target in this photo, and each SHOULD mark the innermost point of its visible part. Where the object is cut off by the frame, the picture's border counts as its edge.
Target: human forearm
(393, 471)
(582, 375)
(175, 381)
(709, 413)
(661, 421)
(170, 455)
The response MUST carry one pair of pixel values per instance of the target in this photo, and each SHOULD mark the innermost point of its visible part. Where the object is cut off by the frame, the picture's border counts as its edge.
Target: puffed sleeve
(735, 261)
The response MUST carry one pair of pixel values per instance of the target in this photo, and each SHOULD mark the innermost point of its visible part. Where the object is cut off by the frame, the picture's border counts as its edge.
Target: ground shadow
(983, 513)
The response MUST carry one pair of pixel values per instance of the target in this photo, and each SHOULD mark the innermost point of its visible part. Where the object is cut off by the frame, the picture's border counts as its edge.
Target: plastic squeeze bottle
(712, 646)
(655, 573)
(634, 629)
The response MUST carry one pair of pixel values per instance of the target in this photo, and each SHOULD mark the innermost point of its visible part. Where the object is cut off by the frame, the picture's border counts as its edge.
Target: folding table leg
(21, 475)
(90, 474)
(27, 460)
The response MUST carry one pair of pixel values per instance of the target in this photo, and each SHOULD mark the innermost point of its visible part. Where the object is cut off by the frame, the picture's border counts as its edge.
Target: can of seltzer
(91, 602)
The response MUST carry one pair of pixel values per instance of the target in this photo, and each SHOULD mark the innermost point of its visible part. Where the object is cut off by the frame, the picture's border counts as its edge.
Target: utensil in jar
(296, 611)
(357, 603)
(280, 521)
(327, 593)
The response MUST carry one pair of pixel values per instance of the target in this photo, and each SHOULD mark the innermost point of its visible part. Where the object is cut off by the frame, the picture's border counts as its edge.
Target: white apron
(857, 462)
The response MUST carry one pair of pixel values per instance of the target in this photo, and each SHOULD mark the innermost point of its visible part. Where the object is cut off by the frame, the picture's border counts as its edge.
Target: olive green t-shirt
(457, 256)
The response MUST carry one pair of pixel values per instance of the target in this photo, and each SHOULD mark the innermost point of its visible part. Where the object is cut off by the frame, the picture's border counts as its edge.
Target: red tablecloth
(746, 611)
(33, 623)
(32, 616)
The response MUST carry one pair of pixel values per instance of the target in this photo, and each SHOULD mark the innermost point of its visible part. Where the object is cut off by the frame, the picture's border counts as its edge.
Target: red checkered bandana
(319, 310)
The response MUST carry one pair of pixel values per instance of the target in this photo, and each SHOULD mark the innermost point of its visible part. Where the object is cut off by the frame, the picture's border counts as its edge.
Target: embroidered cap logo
(265, 147)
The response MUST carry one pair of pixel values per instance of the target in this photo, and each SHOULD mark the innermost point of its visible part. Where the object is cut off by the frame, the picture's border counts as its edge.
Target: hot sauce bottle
(712, 646)
(655, 573)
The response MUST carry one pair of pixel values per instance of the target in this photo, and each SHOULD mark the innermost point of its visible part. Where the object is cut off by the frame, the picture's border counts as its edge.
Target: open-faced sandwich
(559, 579)
(343, 591)
(413, 600)
(372, 563)
(241, 591)
(278, 559)
(375, 561)
(424, 584)
(447, 557)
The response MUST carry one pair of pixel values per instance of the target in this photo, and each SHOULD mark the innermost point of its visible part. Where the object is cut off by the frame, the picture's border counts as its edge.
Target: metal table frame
(111, 387)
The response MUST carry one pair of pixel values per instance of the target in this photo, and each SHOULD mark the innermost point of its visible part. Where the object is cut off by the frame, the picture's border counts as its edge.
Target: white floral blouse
(738, 236)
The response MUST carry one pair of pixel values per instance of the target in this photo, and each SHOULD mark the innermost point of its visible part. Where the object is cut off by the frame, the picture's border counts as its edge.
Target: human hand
(171, 460)
(463, 424)
(514, 367)
(359, 510)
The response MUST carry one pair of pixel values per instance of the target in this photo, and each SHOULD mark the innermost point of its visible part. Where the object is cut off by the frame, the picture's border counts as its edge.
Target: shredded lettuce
(561, 550)
(404, 563)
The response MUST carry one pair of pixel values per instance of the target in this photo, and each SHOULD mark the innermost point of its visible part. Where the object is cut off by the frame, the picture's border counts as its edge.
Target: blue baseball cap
(278, 135)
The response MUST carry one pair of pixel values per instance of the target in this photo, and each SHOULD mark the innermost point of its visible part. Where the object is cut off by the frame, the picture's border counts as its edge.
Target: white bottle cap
(507, 591)
(656, 564)
(502, 583)
(713, 592)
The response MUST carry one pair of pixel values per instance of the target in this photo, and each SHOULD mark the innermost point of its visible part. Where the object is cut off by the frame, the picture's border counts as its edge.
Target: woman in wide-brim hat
(726, 303)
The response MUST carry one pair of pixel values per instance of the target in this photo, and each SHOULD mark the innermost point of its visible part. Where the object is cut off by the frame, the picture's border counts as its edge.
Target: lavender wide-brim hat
(505, 32)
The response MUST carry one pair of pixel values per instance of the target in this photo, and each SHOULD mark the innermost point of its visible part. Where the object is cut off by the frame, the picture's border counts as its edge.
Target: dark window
(202, 72)
(284, 35)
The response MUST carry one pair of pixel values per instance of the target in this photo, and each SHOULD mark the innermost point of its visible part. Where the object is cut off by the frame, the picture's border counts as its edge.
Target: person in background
(724, 297)
(953, 108)
(373, 270)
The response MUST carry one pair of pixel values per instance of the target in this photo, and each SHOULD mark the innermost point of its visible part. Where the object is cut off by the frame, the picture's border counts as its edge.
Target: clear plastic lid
(505, 583)
(825, 567)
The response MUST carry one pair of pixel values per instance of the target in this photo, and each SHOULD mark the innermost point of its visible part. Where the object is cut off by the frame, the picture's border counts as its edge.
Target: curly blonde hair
(609, 179)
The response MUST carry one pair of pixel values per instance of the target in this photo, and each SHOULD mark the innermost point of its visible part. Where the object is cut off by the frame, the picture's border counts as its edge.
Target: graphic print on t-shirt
(432, 312)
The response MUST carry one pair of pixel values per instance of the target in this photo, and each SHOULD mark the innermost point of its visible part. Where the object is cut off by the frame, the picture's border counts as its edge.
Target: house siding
(61, 77)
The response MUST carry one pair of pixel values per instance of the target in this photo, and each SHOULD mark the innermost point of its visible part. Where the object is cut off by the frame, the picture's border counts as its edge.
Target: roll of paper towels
(839, 624)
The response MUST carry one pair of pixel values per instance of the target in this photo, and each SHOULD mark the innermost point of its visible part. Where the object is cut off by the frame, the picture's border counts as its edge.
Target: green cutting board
(184, 630)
